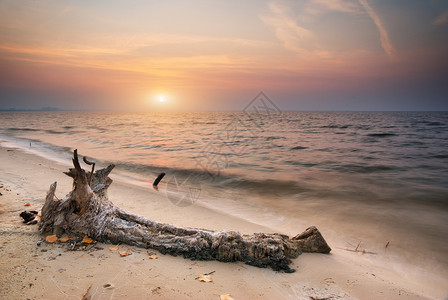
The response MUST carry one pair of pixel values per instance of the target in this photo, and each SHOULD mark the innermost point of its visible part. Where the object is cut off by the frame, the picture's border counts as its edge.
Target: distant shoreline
(56, 109)
(43, 109)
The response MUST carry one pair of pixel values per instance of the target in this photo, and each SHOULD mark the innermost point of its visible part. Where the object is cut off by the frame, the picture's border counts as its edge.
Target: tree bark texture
(86, 210)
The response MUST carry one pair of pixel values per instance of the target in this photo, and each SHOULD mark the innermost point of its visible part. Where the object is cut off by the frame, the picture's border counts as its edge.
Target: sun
(159, 101)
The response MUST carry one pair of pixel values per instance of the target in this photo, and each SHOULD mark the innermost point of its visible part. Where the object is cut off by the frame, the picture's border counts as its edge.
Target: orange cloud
(334, 5)
(293, 36)
(442, 19)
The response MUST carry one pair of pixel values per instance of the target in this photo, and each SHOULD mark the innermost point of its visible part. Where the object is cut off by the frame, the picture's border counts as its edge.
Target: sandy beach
(51, 271)
(269, 118)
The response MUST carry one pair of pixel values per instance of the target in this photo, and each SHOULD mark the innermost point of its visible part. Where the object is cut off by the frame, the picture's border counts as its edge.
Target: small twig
(209, 273)
(90, 246)
(357, 249)
(86, 294)
(73, 245)
(157, 180)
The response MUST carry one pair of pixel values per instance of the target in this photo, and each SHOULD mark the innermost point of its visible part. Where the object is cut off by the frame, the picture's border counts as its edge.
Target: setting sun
(160, 101)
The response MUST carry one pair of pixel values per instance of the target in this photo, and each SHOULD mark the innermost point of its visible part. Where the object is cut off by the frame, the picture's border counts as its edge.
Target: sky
(219, 54)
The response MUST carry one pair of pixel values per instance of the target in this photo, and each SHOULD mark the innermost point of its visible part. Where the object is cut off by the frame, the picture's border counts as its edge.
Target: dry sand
(50, 271)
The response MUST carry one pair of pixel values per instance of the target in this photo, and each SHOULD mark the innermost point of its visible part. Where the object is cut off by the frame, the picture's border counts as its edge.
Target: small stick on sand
(158, 179)
(86, 295)
(358, 248)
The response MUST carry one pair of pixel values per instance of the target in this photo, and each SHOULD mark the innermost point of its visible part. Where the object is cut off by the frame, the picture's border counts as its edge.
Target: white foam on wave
(36, 148)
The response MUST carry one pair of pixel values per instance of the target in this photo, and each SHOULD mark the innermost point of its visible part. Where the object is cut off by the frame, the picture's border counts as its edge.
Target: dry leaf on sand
(125, 253)
(151, 255)
(226, 297)
(205, 278)
(114, 248)
(64, 239)
(51, 238)
(87, 240)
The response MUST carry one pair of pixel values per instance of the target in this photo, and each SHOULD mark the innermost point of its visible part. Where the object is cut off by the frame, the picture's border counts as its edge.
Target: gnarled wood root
(86, 210)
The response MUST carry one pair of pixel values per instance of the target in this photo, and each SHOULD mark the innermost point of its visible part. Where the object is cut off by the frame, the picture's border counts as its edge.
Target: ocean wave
(299, 148)
(266, 186)
(54, 132)
(269, 138)
(353, 168)
(443, 156)
(23, 129)
(336, 126)
(392, 146)
(300, 163)
(216, 180)
(385, 134)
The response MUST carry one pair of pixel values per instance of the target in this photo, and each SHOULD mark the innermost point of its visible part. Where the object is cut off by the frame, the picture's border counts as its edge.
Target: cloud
(334, 5)
(442, 19)
(384, 35)
(293, 36)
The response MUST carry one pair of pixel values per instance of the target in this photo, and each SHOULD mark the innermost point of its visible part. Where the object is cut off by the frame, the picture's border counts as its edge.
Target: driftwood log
(86, 210)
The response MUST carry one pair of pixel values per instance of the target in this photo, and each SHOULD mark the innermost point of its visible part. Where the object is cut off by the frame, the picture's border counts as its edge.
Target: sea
(375, 180)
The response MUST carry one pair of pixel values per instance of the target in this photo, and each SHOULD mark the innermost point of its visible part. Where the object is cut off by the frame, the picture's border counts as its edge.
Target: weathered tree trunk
(86, 210)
